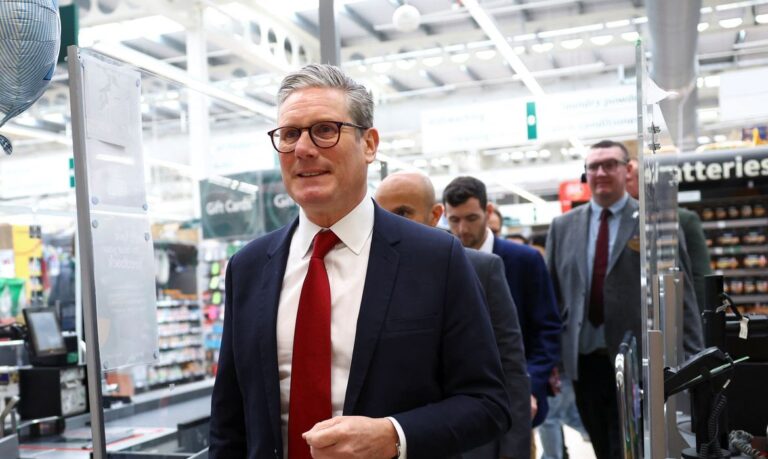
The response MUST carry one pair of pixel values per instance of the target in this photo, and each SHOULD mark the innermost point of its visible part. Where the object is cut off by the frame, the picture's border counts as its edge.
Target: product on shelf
(727, 263)
(754, 236)
(728, 238)
(749, 286)
(720, 213)
(755, 261)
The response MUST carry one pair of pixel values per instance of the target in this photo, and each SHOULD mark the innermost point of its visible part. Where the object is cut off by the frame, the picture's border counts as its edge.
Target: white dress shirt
(347, 265)
(487, 246)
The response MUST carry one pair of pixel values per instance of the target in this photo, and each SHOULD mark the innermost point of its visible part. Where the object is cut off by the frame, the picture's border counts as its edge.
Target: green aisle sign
(531, 120)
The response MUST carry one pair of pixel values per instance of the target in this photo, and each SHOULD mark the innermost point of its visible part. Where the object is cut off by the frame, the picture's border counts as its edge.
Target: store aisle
(577, 447)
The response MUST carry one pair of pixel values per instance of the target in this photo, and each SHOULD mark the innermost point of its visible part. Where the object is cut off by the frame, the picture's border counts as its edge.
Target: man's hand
(352, 436)
(534, 407)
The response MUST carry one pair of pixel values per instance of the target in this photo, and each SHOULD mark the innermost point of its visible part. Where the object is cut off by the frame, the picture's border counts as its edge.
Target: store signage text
(282, 201)
(699, 171)
(229, 206)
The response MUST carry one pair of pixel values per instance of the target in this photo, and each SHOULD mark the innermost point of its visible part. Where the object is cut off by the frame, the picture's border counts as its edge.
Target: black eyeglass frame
(338, 124)
(598, 165)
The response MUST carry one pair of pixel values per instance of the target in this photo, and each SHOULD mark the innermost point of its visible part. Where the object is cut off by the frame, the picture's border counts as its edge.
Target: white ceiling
(249, 44)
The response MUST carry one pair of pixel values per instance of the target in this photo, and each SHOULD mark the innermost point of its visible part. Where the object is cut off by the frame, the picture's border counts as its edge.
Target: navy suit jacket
(531, 288)
(424, 348)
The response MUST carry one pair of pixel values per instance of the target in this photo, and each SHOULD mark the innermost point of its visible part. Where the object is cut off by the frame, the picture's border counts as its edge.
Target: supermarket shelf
(177, 303)
(741, 299)
(160, 384)
(194, 332)
(193, 319)
(738, 249)
(741, 272)
(176, 362)
(742, 223)
(180, 346)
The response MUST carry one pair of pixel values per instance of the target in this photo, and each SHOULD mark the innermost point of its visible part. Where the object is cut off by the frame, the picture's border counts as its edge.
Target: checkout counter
(44, 412)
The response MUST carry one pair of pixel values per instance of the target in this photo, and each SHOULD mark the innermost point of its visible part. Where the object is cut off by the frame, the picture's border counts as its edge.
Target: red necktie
(596, 313)
(310, 400)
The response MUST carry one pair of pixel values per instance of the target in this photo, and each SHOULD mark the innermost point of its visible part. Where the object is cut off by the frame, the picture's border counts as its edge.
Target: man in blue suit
(467, 209)
(402, 358)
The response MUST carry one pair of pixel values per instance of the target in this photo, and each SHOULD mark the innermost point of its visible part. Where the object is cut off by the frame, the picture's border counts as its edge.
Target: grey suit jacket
(516, 443)
(567, 262)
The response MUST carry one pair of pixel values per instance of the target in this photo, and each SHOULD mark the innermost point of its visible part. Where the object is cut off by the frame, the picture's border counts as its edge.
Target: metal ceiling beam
(398, 85)
(363, 23)
(471, 73)
(394, 45)
(180, 76)
(432, 78)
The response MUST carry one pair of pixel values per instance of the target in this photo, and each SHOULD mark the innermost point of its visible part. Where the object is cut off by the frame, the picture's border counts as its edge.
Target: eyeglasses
(325, 134)
(609, 165)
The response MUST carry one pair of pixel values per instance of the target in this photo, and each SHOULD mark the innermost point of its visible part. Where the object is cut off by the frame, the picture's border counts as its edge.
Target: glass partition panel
(661, 280)
(173, 175)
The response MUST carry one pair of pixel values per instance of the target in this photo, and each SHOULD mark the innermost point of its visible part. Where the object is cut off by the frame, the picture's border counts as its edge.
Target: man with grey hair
(341, 339)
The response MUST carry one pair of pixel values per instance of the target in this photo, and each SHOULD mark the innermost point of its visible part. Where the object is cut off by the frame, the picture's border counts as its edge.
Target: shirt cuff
(400, 437)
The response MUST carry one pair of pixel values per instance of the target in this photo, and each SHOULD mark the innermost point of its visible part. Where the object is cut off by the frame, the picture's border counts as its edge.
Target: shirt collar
(615, 208)
(487, 246)
(353, 229)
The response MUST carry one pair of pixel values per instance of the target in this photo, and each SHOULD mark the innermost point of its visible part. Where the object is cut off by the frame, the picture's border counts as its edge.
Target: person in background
(341, 339)
(467, 210)
(411, 195)
(695, 241)
(593, 254)
(517, 237)
(495, 222)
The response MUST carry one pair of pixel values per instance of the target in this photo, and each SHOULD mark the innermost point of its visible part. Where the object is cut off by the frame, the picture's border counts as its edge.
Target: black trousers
(596, 401)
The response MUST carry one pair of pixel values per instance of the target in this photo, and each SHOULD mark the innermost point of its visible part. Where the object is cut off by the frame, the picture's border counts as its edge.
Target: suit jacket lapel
(268, 295)
(627, 227)
(580, 234)
(379, 282)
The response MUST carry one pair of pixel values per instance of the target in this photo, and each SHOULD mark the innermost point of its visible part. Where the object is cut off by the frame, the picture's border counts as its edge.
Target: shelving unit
(735, 225)
(180, 342)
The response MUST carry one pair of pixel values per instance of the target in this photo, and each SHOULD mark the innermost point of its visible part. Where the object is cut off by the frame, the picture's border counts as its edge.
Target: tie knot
(605, 214)
(324, 242)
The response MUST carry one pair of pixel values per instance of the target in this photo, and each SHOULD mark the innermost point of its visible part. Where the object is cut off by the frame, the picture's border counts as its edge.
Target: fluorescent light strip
(170, 72)
(571, 31)
(489, 27)
(39, 134)
(522, 192)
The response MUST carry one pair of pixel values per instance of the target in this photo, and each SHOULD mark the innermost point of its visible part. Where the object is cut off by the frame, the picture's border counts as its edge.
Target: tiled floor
(577, 447)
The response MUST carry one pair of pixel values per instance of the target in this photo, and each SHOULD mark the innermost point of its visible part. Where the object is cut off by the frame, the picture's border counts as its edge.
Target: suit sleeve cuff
(401, 438)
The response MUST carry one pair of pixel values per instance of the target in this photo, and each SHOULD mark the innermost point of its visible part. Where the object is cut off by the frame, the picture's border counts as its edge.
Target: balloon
(30, 36)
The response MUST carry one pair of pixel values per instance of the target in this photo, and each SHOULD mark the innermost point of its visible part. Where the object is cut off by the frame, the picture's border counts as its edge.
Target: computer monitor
(45, 335)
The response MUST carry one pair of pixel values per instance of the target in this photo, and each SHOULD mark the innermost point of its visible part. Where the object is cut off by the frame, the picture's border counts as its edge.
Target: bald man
(411, 195)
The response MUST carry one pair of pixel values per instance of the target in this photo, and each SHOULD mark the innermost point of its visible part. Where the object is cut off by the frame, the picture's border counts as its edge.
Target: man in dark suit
(593, 254)
(411, 195)
(363, 348)
(467, 209)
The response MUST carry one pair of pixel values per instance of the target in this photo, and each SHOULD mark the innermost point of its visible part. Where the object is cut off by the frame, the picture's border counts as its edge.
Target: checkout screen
(46, 332)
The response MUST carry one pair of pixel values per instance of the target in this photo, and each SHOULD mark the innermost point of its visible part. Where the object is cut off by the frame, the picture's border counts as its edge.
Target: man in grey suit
(411, 195)
(593, 255)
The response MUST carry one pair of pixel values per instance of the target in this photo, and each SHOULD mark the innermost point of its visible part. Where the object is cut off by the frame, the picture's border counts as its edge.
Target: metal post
(85, 242)
(330, 43)
(671, 298)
